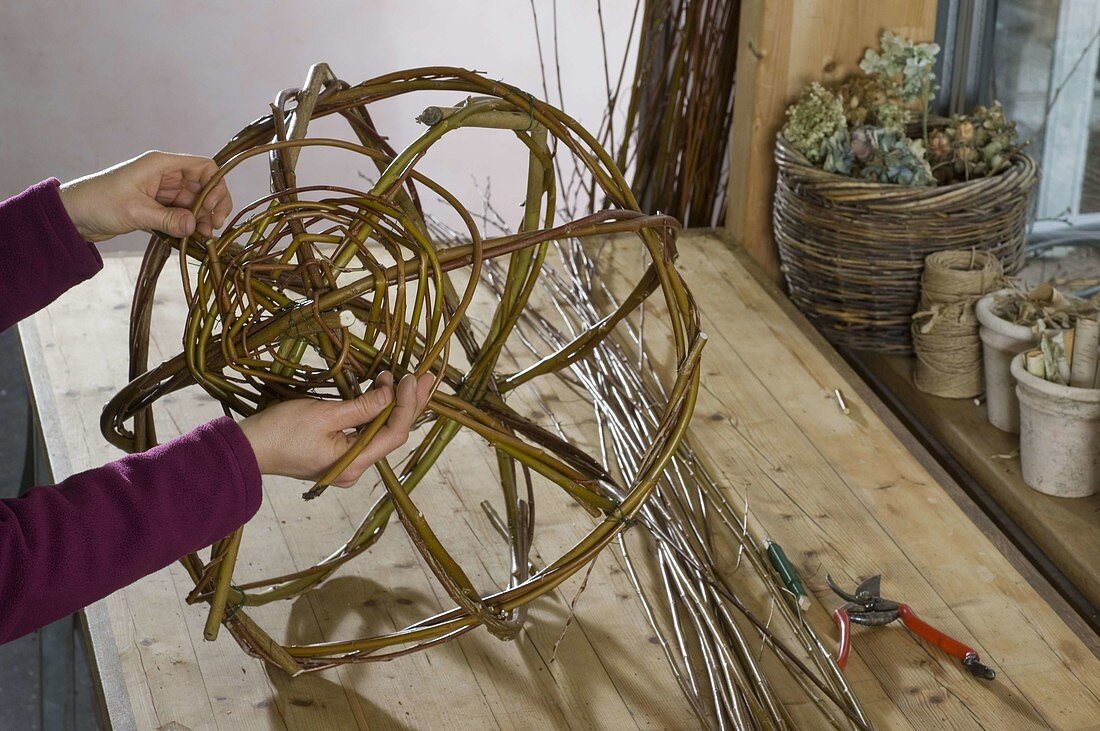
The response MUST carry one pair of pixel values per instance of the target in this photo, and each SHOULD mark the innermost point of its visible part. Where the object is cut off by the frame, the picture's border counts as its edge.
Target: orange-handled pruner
(868, 608)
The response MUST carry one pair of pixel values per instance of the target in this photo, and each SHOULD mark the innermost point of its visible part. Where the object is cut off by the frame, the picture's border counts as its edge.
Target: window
(1040, 59)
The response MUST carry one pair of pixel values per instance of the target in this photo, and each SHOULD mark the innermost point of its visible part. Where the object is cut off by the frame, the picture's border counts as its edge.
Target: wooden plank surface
(784, 45)
(842, 493)
(1066, 529)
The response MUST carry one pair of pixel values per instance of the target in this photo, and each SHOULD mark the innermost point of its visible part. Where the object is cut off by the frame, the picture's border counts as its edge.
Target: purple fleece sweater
(65, 546)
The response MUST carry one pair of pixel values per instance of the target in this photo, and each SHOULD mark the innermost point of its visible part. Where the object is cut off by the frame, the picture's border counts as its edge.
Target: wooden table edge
(970, 508)
(112, 696)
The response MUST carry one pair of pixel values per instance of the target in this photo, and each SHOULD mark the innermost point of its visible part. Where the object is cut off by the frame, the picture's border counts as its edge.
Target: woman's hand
(152, 192)
(303, 438)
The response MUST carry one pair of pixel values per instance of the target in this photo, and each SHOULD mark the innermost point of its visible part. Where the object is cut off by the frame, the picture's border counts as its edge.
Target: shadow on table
(552, 688)
(313, 700)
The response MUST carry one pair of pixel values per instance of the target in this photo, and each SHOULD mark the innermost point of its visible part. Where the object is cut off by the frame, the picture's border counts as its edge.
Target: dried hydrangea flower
(872, 100)
(813, 120)
(838, 155)
(906, 64)
(894, 158)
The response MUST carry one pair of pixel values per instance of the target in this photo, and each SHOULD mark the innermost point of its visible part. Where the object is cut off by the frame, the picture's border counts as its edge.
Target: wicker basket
(853, 250)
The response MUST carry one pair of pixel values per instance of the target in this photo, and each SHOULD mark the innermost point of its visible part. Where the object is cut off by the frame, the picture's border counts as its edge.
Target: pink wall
(85, 85)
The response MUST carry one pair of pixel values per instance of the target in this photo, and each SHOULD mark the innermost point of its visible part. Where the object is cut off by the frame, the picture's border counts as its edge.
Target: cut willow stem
(226, 559)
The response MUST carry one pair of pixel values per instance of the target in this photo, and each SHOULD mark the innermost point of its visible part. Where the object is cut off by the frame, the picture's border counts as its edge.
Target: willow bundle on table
(731, 643)
(694, 607)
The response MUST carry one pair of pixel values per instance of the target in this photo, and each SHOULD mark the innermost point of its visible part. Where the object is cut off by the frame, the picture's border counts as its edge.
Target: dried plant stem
(677, 123)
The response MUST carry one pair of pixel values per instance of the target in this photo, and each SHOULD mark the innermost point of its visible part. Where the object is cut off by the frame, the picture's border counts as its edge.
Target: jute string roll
(945, 328)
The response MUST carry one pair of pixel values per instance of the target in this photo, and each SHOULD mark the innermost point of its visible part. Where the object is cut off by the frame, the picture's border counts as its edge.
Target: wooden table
(1065, 531)
(853, 495)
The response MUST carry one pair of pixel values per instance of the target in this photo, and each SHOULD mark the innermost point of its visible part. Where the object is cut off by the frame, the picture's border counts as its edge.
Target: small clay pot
(1001, 341)
(1059, 435)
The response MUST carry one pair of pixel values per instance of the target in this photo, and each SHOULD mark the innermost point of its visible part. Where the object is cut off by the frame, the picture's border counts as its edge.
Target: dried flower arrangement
(868, 186)
(861, 127)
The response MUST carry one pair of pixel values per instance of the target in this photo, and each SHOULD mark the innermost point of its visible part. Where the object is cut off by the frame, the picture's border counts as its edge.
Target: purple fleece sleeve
(64, 547)
(41, 254)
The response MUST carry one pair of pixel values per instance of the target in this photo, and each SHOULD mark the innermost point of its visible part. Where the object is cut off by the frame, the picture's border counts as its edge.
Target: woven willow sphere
(313, 290)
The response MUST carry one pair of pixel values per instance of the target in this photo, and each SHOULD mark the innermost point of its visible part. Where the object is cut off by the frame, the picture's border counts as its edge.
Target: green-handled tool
(787, 572)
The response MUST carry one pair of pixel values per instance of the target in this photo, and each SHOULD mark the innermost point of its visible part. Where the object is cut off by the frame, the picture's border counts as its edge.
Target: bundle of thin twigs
(675, 121)
(677, 124)
(312, 290)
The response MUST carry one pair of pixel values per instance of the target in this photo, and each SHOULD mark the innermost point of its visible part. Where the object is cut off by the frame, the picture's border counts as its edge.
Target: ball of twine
(945, 327)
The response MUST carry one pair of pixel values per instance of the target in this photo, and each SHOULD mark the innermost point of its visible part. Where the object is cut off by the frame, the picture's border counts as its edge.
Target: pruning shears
(867, 607)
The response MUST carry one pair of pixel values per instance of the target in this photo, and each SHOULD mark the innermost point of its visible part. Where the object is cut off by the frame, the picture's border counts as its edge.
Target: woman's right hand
(152, 192)
(304, 437)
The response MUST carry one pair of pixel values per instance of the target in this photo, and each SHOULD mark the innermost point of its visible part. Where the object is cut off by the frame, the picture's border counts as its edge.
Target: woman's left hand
(303, 437)
(152, 192)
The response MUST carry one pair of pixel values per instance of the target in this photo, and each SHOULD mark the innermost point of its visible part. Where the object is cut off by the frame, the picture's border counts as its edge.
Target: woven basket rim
(791, 160)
